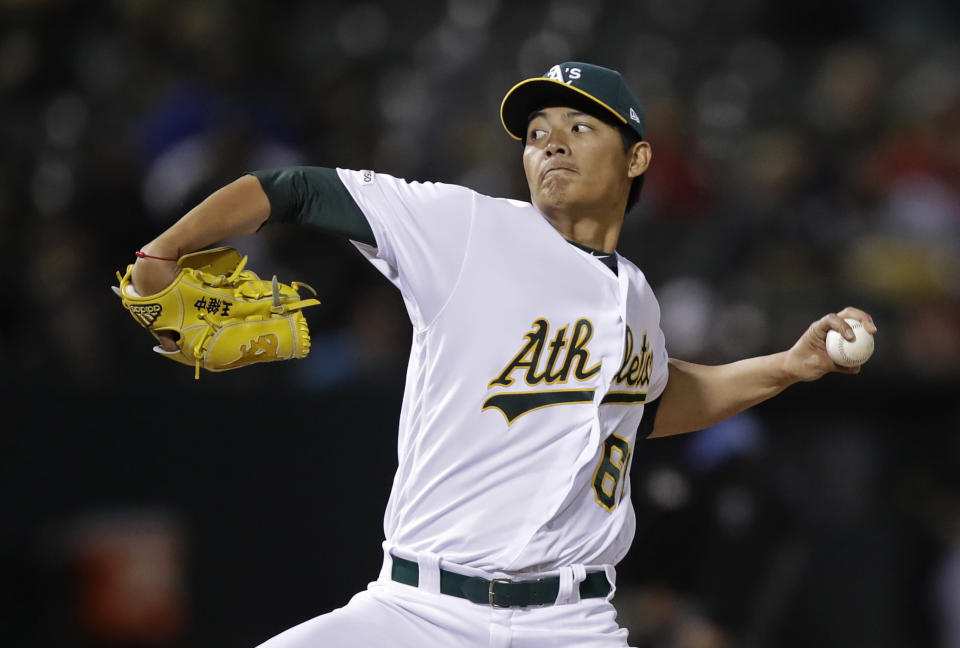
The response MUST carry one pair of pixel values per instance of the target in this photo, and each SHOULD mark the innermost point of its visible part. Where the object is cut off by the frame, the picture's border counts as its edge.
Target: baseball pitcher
(537, 366)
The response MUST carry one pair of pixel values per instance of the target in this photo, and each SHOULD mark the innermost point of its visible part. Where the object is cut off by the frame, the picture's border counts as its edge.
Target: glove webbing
(243, 278)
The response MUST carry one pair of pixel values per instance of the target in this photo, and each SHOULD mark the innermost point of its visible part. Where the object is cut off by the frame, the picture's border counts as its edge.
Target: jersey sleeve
(421, 233)
(658, 383)
(661, 368)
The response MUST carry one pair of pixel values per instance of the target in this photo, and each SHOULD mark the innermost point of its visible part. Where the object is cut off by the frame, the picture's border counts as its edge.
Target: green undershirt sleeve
(648, 420)
(316, 197)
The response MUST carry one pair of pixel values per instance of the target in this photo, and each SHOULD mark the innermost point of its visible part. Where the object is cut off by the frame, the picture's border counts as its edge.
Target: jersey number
(607, 478)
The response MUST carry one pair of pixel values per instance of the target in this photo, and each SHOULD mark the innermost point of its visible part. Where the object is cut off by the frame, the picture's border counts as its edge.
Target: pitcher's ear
(638, 159)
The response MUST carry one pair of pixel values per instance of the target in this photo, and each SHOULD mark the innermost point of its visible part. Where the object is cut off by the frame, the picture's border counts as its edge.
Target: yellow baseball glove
(222, 315)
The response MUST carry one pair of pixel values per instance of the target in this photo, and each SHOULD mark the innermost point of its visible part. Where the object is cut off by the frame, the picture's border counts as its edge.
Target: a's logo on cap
(556, 73)
(633, 115)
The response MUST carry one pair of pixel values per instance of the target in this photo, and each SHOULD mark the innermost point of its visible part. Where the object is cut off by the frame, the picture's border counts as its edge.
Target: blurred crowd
(806, 157)
(803, 160)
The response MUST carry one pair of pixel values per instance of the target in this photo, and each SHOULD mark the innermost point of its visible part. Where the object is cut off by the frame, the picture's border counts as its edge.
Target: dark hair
(628, 137)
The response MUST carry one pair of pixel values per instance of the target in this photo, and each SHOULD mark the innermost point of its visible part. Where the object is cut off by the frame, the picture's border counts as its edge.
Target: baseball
(850, 354)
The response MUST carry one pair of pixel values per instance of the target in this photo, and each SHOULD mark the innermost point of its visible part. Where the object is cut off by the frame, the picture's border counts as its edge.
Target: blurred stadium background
(806, 157)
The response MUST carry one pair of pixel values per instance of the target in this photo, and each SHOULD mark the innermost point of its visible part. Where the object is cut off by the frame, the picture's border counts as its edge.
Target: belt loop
(611, 573)
(579, 575)
(429, 565)
(566, 586)
(570, 579)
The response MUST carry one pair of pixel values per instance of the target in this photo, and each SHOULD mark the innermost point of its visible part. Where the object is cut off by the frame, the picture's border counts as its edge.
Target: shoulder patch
(367, 177)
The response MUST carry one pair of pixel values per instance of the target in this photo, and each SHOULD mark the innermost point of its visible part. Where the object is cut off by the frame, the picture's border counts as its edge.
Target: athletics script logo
(562, 360)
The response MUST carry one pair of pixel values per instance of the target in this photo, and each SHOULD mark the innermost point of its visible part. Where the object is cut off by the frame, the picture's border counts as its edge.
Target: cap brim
(533, 94)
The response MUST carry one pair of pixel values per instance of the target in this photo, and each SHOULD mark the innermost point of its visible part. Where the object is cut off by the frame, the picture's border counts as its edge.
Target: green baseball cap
(583, 86)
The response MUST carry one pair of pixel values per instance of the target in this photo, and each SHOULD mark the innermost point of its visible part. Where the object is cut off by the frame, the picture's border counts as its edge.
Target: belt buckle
(492, 596)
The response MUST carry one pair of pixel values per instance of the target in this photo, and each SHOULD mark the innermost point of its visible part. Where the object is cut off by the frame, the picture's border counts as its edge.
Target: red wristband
(143, 255)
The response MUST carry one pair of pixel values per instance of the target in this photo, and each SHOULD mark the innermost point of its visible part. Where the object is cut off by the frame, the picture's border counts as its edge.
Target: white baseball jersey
(528, 371)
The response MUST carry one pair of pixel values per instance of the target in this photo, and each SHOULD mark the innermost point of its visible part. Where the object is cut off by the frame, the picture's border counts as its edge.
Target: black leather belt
(499, 592)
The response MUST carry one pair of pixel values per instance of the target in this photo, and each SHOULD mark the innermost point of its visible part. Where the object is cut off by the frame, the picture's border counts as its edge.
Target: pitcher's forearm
(236, 209)
(698, 396)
